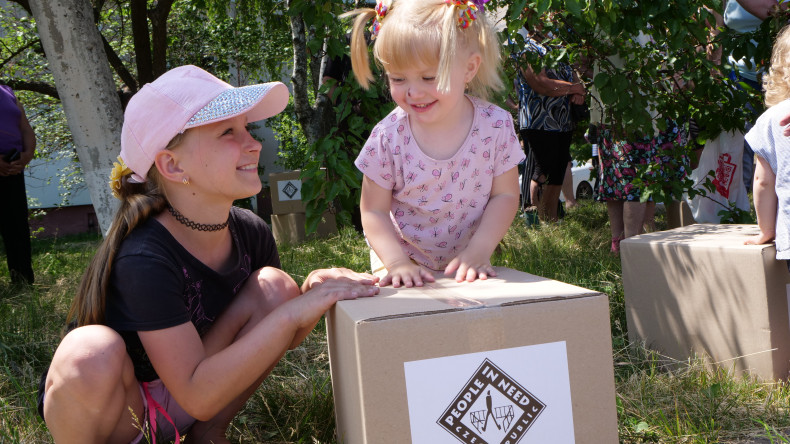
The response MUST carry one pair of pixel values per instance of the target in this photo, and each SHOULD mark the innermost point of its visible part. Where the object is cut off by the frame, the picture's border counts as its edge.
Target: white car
(582, 184)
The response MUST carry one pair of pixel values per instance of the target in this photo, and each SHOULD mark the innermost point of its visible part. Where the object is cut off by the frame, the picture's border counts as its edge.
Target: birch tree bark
(311, 119)
(76, 57)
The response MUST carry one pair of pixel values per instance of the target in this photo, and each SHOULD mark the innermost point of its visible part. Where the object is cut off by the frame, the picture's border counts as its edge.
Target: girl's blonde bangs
(405, 45)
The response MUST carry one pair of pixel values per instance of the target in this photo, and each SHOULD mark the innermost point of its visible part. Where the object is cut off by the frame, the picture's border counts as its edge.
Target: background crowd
(629, 164)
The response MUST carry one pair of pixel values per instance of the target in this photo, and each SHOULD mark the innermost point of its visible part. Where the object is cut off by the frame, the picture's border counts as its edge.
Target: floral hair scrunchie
(467, 10)
(119, 169)
(381, 10)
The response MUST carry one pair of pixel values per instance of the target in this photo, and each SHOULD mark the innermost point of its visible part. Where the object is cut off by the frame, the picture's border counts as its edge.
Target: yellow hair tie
(119, 169)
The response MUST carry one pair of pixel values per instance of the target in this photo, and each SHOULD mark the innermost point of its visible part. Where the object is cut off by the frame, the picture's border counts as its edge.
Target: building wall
(44, 190)
(63, 221)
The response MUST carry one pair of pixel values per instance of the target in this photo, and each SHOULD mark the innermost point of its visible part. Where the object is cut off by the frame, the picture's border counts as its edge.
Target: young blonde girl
(184, 309)
(772, 147)
(441, 184)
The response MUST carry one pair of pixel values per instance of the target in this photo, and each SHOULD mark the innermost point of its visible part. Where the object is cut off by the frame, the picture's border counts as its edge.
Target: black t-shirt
(156, 283)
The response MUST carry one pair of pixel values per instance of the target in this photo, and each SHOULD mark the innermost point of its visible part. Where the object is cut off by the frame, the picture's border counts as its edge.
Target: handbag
(724, 156)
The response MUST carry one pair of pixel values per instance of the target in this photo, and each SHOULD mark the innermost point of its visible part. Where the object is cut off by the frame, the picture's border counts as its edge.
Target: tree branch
(19, 51)
(142, 43)
(315, 62)
(24, 4)
(118, 66)
(112, 57)
(158, 16)
(38, 87)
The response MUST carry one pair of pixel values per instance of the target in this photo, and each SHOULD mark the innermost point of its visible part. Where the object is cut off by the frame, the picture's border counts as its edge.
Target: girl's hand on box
(406, 273)
(469, 266)
(759, 239)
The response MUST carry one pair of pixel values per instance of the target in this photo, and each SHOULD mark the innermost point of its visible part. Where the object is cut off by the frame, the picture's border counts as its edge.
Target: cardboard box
(517, 358)
(290, 228)
(264, 203)
(286, 192)
(679, 214)
(699, 290)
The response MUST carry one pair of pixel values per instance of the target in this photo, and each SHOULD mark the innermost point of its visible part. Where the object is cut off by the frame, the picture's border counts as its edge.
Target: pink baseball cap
(188, 97)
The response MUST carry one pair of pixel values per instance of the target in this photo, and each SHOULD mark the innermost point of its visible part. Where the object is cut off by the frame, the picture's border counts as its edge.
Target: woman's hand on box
(324, 274)
(304, 311)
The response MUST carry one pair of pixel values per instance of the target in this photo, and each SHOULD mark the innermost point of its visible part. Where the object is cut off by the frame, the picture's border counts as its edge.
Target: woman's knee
(89, 357)
(91, 381)
(272, 287)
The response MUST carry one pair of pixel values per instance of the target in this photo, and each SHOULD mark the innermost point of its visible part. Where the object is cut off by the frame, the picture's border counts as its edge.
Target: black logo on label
(491, 408)
(290, 189)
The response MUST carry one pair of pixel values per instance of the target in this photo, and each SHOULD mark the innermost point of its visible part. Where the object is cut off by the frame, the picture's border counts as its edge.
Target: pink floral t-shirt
(437, 204)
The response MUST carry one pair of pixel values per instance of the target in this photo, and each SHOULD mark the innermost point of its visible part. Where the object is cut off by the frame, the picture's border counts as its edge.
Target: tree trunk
(310, 119)
(77, 60)
(158, 16)
(142, 44)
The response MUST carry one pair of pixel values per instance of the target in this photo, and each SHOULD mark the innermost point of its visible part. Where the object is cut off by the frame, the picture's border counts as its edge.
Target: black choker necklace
(194, 225)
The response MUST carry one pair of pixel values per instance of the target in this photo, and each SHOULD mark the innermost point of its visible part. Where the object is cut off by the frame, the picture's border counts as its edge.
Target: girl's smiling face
(415, 90)
(221, 158)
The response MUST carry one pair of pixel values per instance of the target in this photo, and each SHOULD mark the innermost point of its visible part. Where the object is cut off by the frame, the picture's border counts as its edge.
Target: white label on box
(515, 395)
(289, 190)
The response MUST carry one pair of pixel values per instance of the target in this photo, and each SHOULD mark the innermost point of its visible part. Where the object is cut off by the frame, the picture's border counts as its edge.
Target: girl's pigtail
(488, 76)
(465, 23)
(447, 49)
(138, 203)
(360, 62)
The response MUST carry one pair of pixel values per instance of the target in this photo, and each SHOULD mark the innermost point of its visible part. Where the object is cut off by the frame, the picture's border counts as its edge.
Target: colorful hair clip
(467, 10)
(381, 10)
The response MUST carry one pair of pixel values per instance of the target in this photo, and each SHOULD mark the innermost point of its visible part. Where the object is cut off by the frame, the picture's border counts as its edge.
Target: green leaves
(334, 181)
(515, 10)
(575, 7)
(542, 6)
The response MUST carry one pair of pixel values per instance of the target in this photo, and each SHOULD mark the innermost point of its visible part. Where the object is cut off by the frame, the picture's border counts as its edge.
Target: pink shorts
(164, 428)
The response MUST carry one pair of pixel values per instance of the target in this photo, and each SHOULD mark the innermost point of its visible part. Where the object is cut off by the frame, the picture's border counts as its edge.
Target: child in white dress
(772, 147)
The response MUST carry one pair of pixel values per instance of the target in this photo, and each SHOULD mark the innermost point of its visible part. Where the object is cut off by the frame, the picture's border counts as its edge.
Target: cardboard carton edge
(476, 307)
(346, 384)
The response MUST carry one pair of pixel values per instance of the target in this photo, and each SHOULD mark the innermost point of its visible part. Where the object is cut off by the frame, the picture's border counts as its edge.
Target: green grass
(658, 399)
